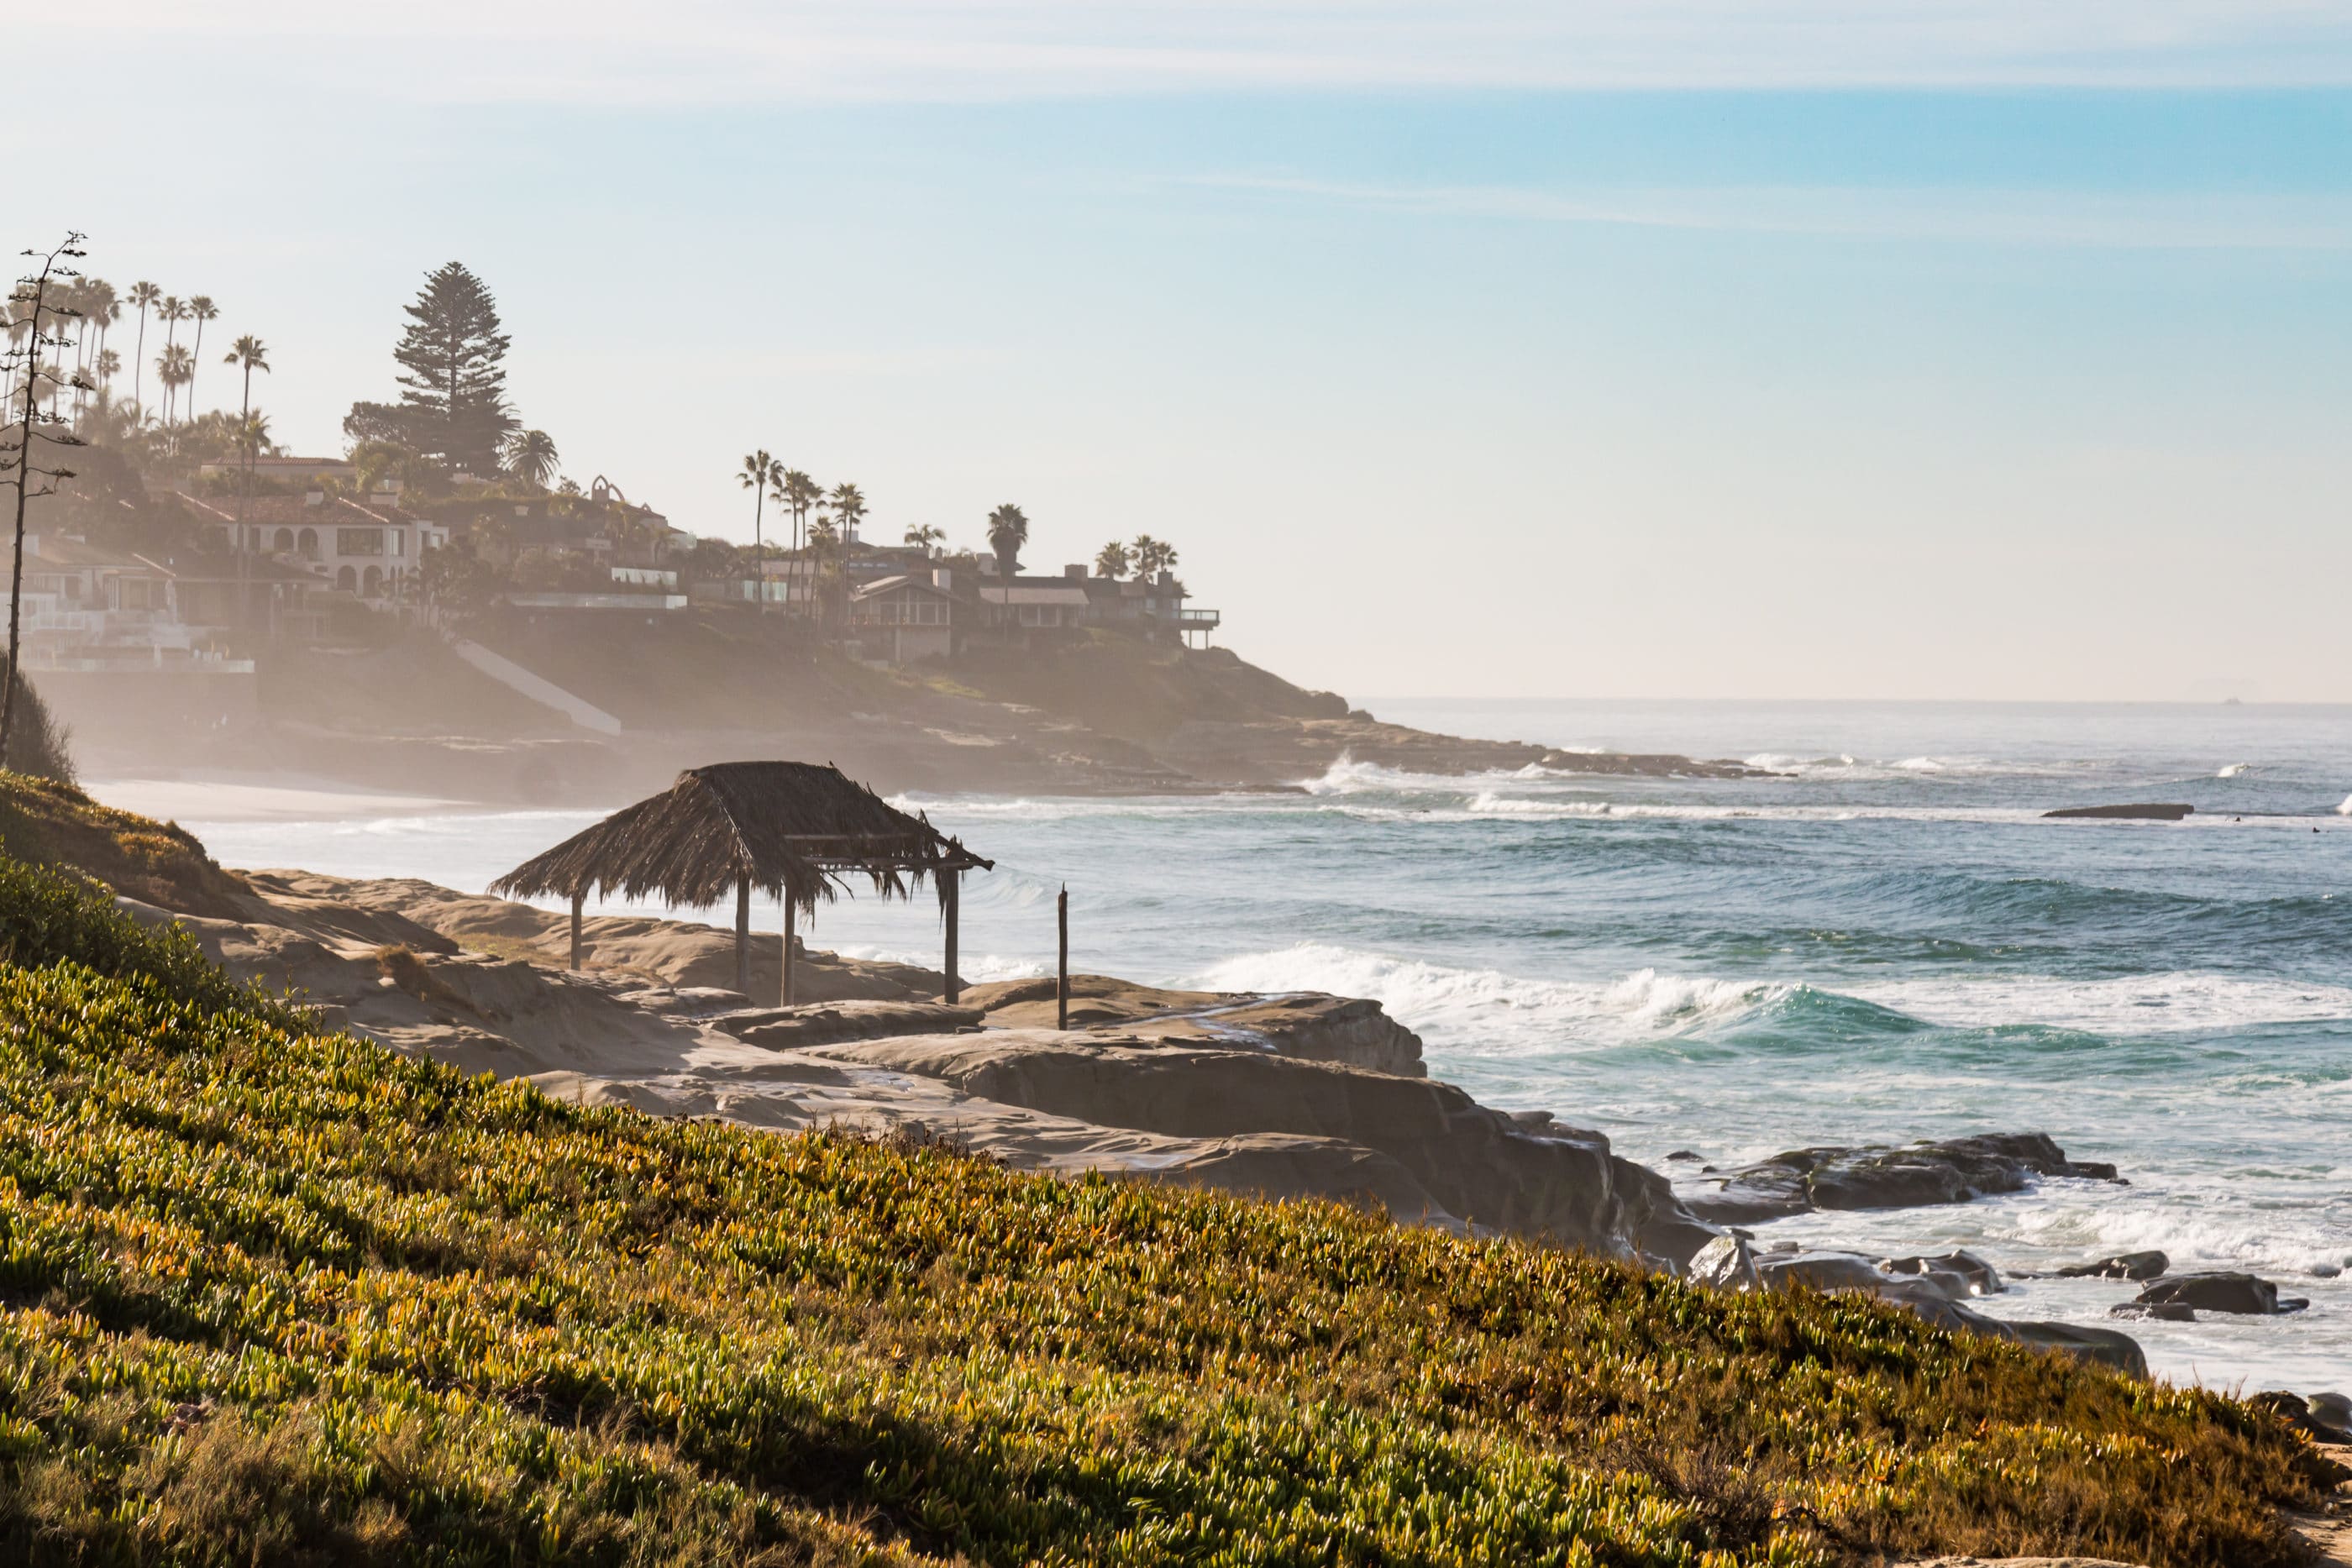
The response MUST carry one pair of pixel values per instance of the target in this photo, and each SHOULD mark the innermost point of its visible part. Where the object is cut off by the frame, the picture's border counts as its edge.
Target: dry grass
(53, 824)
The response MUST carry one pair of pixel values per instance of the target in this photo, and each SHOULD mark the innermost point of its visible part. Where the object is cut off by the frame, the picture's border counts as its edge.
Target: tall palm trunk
(192, 366)
(759, 551)
(139, 366)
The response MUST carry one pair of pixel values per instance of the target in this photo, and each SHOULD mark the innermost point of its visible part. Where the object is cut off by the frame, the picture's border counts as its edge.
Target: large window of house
(930, 612)
(359, 541)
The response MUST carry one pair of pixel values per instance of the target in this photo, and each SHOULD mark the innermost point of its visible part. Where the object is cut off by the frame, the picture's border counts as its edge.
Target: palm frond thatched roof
(794, 829)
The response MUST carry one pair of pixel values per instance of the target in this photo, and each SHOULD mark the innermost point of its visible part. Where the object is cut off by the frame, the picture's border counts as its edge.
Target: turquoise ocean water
(1887, 943)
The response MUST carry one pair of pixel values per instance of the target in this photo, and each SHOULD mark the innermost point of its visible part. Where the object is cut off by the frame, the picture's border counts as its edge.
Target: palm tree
(142, 295)
(109, 364)
(1008, 531)
(174, 369)
(1112, 560)
(1151, 556)
(253, 354)
(923, 536)
(530, 455)
(105, 309)
(251, 433)
(761, 473)
(802, 494)
(200, 310)
(172, 310)
(848, 510)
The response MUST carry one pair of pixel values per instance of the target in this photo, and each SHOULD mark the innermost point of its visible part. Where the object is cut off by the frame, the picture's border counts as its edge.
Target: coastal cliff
(280, 1294)
(1099, 714)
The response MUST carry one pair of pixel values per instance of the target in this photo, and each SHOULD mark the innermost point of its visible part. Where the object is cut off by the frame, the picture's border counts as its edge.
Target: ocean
(1887, 942)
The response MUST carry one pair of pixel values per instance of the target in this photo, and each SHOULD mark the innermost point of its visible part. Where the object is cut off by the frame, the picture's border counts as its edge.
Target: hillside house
(371, 551)
(110, 640)
(901, 619)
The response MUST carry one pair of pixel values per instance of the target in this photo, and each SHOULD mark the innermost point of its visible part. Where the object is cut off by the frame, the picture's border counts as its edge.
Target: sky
(1955, 349)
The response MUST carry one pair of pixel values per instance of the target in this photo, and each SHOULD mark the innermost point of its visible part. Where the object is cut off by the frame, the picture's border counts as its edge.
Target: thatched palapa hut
(795, 830)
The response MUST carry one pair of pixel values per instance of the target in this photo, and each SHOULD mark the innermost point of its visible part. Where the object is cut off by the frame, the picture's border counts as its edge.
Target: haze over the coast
(1797, 349)
(953, 782)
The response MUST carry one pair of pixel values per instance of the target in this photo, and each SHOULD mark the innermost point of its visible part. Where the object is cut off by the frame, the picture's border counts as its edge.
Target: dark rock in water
(1729, 1263)
(2122, 1266)
(2103, 1347)
(2218, 1290)
(2157, 1311)
(1964, 1274)
(1880, 1176)
(2141, 814)
(1681, 1155)
(2325, 1417)
(1822, 1270)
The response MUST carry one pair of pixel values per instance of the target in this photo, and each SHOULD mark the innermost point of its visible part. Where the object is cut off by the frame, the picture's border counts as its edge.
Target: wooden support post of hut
(784, 986)
(950, 895)
(743, 934)
(1062, 967)
(795, 830)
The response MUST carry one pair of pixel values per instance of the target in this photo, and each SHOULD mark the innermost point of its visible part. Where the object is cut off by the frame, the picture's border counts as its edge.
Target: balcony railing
(1198, 619)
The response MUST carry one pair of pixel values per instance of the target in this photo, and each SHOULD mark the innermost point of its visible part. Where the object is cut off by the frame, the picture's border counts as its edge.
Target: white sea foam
(2234, 769)
(1488, 803)
(2344, 808)
(2135, 1005)
(1491, 1011)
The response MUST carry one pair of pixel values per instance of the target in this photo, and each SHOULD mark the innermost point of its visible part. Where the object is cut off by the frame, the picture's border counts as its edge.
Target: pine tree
(453, 379)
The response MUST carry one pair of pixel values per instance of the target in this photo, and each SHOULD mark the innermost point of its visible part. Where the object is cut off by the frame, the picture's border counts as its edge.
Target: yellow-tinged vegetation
(267, 1296)
(55, 824)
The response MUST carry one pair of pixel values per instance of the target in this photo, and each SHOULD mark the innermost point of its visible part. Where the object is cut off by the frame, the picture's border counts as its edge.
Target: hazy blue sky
(1616, 349)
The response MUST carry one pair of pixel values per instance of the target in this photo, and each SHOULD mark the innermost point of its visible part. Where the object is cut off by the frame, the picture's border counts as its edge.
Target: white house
(372, 552)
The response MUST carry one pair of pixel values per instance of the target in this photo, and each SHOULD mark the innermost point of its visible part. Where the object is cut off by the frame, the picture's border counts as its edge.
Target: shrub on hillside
(52, 918)
(39, 744)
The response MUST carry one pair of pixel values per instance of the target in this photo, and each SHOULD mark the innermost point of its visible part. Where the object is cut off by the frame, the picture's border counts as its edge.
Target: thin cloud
(703, 51)
(2197, 221)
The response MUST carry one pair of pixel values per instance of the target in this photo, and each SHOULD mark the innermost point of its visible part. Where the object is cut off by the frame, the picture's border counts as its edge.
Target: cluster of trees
(838, 513)
(1144, 556)
(77, 383)
(453, 412)
(821, 519)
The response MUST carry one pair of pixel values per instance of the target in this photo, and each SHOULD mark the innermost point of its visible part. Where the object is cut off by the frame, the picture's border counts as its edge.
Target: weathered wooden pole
(955, 884)
(743, 934)
(784, 988)
(577, 895)
(1062, 987)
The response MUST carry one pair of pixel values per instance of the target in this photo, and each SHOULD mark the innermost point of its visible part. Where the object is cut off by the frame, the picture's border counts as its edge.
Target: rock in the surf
(2134, 1266)
(1881, 1175)
(2102, 1347)
(1961, 1273)
(2333, 1411)
(2155, 1311)
(2219, 1291)
(2307, 1416)
(1728, 1262)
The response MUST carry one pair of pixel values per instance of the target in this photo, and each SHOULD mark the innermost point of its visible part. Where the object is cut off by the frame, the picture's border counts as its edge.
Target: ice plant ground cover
(273, 1295)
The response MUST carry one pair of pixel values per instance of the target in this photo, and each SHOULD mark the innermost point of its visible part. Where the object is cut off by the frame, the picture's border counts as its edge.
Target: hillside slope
(272, 1296)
